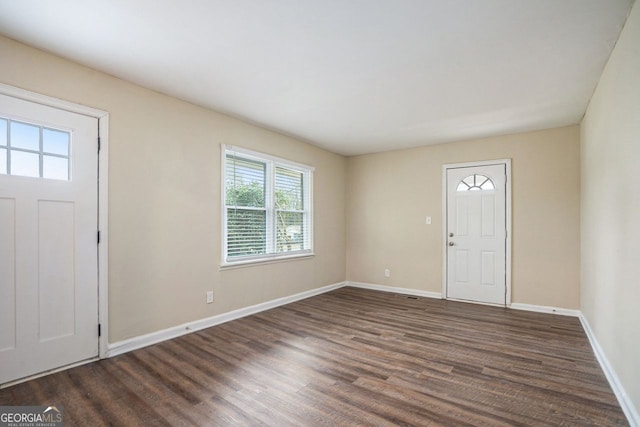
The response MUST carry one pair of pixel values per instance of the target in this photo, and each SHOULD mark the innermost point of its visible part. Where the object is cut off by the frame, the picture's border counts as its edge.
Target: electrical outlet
(428, 220)
(387, 272)
(209, 297)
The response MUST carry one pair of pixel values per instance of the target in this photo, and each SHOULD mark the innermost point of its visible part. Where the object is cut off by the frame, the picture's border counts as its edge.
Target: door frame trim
(103, 196)
(508, 205)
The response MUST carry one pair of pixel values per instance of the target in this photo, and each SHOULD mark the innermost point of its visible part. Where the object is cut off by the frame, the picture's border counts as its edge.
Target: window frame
(271, 163)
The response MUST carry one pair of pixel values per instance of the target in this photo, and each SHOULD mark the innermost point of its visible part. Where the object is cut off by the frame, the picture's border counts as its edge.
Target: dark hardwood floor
(348, 357)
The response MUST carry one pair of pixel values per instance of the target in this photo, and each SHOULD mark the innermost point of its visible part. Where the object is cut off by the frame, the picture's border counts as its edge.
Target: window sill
(264, 261)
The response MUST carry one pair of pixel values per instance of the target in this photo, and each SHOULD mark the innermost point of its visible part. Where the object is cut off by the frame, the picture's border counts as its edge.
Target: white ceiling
(352, 76)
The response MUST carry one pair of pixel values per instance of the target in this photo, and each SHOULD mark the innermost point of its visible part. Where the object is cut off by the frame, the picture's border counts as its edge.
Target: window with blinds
(267, 207)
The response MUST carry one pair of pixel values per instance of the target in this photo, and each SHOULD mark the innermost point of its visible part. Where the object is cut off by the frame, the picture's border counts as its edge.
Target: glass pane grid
(34, 151)
(476, 182)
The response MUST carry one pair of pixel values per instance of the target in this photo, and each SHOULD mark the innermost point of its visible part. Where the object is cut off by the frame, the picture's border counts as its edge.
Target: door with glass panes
(476, 233)
(48, 245)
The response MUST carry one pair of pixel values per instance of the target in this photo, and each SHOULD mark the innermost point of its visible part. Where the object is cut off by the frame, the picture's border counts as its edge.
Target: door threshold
(478, 302)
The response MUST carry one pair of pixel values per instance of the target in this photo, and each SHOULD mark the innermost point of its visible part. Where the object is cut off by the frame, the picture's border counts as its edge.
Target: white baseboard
(438, 295)
(545, 309)
(405, 291)
(135, 343)
(626, 404)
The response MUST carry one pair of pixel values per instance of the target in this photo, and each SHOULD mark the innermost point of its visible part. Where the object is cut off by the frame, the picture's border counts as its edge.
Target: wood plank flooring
(348, 357)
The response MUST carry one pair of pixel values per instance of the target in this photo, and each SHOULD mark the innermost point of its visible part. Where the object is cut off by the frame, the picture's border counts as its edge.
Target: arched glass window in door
(476, 182)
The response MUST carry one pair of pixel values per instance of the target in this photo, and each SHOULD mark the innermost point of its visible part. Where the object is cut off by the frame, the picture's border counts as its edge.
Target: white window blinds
(267, 207)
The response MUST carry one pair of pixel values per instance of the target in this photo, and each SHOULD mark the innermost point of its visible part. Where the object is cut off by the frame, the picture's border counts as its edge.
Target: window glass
(3, 132)
(55, 142)
(246, 232)
(25, 136)
(290, 231)
(288, 189)
(55, 167)
(487, 185)
(245, 182)
(289, 200)
(3, 160)
(25, 164)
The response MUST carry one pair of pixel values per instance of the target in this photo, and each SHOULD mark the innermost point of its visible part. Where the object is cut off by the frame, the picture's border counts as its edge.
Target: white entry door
(476, 233)
(48, 233)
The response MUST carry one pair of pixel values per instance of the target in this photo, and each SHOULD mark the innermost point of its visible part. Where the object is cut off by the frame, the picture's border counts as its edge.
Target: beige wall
(390, 194)
(610, 138)
(164, 199)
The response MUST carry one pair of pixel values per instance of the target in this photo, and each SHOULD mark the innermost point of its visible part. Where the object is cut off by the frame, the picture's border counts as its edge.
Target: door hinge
(98, 236)
(99, 330)
(98, 144)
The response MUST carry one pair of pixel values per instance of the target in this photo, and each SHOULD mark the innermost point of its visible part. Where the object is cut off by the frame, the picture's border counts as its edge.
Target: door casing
(103, 199)
(445, 168)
